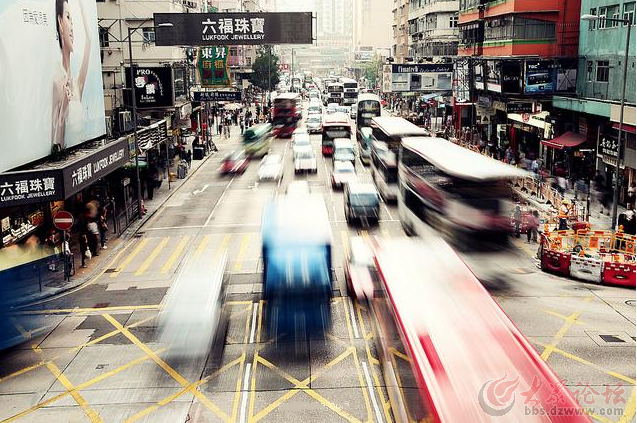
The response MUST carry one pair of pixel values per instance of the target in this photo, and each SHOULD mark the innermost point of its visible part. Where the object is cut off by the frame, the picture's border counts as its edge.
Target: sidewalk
(97, 265)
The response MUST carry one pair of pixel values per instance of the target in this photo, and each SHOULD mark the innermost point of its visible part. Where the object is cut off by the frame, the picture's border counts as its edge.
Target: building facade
(400, 30)
(433, 29)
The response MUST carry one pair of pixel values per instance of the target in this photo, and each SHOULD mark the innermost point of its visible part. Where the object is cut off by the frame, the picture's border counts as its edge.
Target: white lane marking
(255, 308)
(199, 191)
(223, 194)
(379, 416)
(391, 218)
(353, 318)
(246, 390)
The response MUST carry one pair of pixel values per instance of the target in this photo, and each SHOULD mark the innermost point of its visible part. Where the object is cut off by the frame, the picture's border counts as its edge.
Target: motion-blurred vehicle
(304, 160)
(257, 140)
(331, 108)
(300, 140)
(343, 109)
(297, 266)
(314, 123)
(336, 125)
(192, 319)
(314, 108)
(367, 108)
(271, 168)
(298, 188)
(344, 151)
(364, 138)
(286, 112)
(362, 202)
(352, 111)
(234, 162)
(448, 370)
(342, 173)
(359, 265)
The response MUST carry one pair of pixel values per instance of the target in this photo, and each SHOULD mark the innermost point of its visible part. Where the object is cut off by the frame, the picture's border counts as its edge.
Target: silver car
(271, 168)
(304, 160)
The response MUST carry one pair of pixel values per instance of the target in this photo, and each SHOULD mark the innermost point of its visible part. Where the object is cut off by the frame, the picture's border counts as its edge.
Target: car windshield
(313, 119)
(364, 199)
(344, 170)
(305, 154)
(235, 155)
(302, 140)
(271, 160)
(346, 152)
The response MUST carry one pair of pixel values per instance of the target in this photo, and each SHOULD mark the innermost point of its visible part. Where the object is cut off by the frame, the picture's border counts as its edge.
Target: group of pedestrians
(93, 232)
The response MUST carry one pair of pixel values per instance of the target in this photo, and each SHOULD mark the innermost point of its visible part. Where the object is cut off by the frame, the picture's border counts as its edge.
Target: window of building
(629, 12)
(453, 21)
(592, 24)
(103, 32)
(612, 13)
(603, 70)
(149, 35)
(602, 18)
(589, 70)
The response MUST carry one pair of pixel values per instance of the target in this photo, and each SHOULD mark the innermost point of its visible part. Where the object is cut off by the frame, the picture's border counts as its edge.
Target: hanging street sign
(212, 64)
(238, 28)
(234, 96)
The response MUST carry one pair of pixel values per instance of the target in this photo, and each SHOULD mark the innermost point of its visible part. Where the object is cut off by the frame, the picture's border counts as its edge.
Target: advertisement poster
(540, 76)
(494, 78)
(251, 28)
(212, 65)
(51, 92)
(422, 77)
(511, 77)
(153, 86)
(478, 74)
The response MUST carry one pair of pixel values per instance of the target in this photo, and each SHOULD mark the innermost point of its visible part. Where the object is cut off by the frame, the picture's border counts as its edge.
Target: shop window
(589, 71)
(602, 18)
(592, 24)
(629, 12)
(149, 35)
(603, 70)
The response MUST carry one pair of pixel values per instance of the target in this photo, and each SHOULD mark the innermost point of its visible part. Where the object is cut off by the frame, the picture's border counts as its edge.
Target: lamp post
(134, 105)
(620, 149)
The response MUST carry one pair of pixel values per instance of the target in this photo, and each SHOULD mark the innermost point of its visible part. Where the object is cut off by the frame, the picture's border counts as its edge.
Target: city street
(99, 360)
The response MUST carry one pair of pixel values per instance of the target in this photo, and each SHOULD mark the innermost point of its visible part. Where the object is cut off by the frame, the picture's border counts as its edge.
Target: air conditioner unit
(124, 122)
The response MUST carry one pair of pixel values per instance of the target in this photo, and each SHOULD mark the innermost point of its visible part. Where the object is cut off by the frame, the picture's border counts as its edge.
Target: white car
(353, 110)
(314, 123)
(304, 160)
(343, 109)
(300, 140)
(343, 173)
(298, 188)
(331, 108)
(271, 168)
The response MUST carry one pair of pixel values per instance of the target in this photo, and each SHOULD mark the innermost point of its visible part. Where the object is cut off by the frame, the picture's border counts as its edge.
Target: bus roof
(337, 118)
(395, 126)
(296, 220)
(287, 96)
(460, 339)
(257, 130)
(368, 97)
(461, 162)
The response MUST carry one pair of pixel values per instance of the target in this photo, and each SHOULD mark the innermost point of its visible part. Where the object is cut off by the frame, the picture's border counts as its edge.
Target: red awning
(566, 140)
(627, 128)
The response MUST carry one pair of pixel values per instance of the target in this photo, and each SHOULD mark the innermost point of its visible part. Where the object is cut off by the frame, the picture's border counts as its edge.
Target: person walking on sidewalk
(93, 236)
(517, 220)
(534, 224)
(103, 228)
(84, 249)
(189, 158)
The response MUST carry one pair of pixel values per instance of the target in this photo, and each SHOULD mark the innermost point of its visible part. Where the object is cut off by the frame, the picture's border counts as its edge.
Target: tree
(370, 70)
(260, 72)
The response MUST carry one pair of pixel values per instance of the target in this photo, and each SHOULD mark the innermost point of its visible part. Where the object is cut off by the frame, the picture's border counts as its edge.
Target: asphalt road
(100, 360)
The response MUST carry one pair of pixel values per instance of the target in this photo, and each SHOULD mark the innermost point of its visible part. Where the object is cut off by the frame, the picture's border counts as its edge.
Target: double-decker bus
(336, 125)
(335, 93)
(350, 94)
(387, 133)
(285, 114)
(462, 193)
(448, 352)
(368, 107)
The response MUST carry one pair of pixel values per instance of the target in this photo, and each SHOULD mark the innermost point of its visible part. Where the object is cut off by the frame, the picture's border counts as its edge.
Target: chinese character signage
(234, 96)
(51, 93)
(18, 188)
(608, 146)
(153, 86)
(421, 77)
(252, 28)
(212, 65)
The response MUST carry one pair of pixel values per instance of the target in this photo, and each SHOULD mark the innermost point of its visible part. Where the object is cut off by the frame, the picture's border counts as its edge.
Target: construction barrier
(586, 268)
(621, 274)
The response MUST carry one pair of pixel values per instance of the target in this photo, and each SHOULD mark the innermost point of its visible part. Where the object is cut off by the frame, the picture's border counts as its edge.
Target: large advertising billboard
(50, 78)
(422, 77)
(153, 86)
(540, 76)
(239, 28)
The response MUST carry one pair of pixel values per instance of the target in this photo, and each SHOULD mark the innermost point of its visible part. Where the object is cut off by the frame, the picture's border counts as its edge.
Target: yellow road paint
(167, 368)
(130, 257)
(202, 246)
(570, 321)
(175, 255)
(237, 393)
(149, 260)
(629, 410)
(89, 310)
(242, 251)
(561, 316)
(588, 363)
(222, 247)
(330, 405)
(112, 333)
(55, 370)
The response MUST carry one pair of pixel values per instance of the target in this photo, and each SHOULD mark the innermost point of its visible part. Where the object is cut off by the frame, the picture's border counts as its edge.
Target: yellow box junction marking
(175, 255)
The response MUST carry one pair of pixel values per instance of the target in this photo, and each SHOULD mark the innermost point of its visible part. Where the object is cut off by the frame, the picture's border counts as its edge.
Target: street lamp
(620, 149)
(134, 104)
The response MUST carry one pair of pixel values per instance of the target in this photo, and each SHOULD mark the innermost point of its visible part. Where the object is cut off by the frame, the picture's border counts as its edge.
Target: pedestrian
(630, 198)
(563, 214)
(103, 228)
(219, 127)
(241, 124)
(84, 248)
(93, 236)
(580, 187)
(150, 184)
(517, 220)
(189, 158)
(533, 225)
(627, 220)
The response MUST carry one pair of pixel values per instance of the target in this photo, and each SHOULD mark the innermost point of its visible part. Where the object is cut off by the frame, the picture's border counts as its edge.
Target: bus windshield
(333, 132)
(367, 109)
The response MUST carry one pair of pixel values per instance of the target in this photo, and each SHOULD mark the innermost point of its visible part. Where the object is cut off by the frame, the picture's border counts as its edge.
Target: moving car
(352, 111)
(300, 140)
(271, 168)
(304, 160)
(359, 264)
(343, 173)
(331, 108)
(234, 162)
(362, 202)
(314, 123)
(343, 109)
(298, 188)
(344, 151)
(314, 109)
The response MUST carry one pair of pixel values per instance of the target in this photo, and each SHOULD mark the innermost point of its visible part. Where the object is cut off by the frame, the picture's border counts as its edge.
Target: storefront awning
(566, 140)
(427, 97)
(627, 128)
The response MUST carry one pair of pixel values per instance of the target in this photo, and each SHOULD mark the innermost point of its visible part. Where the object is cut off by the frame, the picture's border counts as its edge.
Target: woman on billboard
(68, 113)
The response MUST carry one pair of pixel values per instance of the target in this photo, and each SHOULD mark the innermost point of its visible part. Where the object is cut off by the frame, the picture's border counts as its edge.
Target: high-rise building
(370, 26)
(400, 27)
(433, 29)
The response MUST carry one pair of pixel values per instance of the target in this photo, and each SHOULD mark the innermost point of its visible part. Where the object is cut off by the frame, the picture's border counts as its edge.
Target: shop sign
(484, 101)
(582, 126)
(243, 28)
(421, 77)
(500, 105)
(494, 77)
(540, 76)
(478, 74)
(185, 110)
(387, 85)
(519, 107)
(17, 188)
(217, 96)
(84, 172)
(511, 77)
(212, 65)
(154, 86)
(608, 146)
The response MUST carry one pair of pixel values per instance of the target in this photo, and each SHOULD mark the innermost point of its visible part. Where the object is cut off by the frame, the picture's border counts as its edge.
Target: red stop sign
(63, 220)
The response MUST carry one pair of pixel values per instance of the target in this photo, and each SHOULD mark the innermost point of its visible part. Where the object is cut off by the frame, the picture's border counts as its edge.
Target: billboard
(240, 28)
(153, 86)
(421, 77)
(539, 76)
(212, 65)
(50, 78)
(511, 77)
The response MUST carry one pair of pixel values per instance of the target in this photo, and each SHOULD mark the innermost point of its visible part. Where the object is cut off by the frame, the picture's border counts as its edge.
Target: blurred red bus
(448, 351)
(286, 112)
